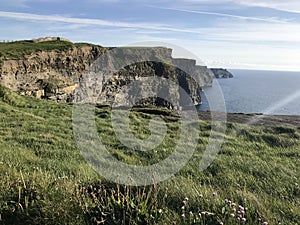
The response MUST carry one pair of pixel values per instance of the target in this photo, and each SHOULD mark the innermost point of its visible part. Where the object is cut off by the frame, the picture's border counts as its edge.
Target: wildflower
(200, 195)
(244, 219)
(183, 207)
(226, 200)
(265, 223)
(214, 193)
(191, 213)
(183, 215)
(185, 200)
(232, 214)
(221, 223)
(203, 213)
(233, 204)
(233, 209)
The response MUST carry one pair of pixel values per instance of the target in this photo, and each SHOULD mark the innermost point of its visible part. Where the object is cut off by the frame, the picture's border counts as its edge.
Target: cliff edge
(56, 68)
(221, 73)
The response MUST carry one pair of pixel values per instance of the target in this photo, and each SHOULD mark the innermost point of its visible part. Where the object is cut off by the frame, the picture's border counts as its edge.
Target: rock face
(93, 71)
(221, 73)
(48, 74)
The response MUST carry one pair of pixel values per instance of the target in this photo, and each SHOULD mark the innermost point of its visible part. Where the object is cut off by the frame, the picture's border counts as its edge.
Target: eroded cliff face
(48, 73)
(88, 70)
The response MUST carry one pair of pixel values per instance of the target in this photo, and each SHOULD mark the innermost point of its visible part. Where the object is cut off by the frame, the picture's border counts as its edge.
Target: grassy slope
(44, 179)
(19, 49)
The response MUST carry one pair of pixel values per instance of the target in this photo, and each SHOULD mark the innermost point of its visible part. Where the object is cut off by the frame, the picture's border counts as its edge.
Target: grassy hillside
(45, 180)
(19, 49)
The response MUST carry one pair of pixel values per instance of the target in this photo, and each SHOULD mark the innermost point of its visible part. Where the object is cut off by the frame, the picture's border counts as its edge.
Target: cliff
(54, 69)
(221, 73)
(50, 73)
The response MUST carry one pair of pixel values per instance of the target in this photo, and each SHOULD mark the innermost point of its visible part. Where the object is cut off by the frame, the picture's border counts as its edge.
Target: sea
(254, 91)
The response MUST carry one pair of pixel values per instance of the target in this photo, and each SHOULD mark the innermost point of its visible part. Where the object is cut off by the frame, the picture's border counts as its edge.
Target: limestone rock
(73, 74)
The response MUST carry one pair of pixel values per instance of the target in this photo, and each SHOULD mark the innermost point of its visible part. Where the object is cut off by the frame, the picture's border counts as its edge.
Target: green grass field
(45, 180)
(20, 49)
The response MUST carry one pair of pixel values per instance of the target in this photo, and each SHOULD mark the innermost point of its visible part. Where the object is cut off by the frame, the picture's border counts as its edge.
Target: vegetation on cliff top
(20, 49)
(45, 180)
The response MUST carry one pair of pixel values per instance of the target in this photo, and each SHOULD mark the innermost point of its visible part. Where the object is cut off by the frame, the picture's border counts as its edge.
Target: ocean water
(253, 91)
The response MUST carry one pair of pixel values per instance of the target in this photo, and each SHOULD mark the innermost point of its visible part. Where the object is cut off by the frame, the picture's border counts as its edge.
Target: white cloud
(292, 6)
(87, 21)
(286, 5)
(268, 19)
(255, 32)
(232, 29)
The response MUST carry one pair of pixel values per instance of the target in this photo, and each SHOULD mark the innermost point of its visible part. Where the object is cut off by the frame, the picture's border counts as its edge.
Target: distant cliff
(55, 68)
(221, 73)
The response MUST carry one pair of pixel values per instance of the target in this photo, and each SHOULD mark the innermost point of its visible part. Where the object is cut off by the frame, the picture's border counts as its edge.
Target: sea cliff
(221, 73)
(55, 68)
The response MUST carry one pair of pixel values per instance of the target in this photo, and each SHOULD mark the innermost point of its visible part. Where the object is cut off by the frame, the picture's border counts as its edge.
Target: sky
(233, 34)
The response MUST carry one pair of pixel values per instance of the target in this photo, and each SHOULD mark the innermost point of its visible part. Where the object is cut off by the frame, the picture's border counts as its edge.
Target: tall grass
(44, 179)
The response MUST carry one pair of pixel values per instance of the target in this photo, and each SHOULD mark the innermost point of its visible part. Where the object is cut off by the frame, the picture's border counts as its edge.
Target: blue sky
(250, 34)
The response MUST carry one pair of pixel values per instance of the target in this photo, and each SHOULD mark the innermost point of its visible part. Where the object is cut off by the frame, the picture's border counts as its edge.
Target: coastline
(267, 92)
(255, 119)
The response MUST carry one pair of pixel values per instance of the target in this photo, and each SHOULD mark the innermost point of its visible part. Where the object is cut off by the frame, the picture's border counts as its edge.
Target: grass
(20, 49)
(44, 179)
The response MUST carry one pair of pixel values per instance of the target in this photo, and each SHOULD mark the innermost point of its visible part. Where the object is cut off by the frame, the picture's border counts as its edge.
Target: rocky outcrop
(48, 74)
(88, 70)
(45, 39)
(221, 73)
